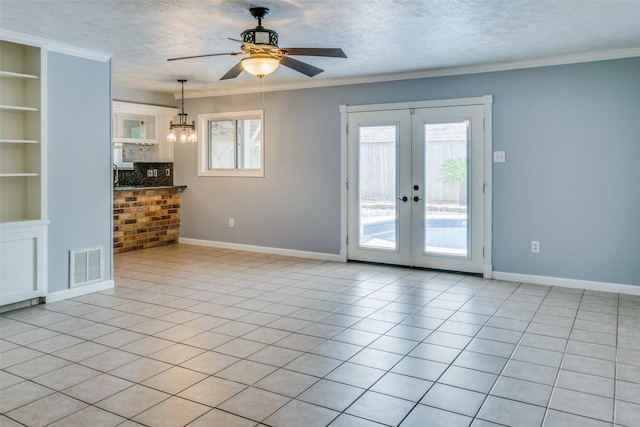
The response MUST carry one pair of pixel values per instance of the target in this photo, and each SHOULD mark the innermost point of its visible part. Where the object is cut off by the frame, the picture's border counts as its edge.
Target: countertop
(181, 188)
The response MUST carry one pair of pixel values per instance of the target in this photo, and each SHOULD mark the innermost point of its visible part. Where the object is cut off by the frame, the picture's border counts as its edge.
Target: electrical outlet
(231, 222)
(149, 173)
(535, 247)
(168, 172)
(155, 173)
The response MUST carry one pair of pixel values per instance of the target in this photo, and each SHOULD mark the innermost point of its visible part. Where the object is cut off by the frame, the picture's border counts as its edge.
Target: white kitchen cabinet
(146, 126)
(23, 261)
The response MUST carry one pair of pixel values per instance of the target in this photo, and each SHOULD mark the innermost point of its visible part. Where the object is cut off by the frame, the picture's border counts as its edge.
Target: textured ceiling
(380, 37)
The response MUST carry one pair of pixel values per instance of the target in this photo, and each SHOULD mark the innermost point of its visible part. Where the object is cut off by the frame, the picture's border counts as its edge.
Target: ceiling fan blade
(205, 55)
(244, 43)
(253, 46)
(300, 66)
(315, 51)
(236, 40)
(234, 72)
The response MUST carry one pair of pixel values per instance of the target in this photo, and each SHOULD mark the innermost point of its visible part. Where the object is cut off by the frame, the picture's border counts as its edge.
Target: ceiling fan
(261, 44)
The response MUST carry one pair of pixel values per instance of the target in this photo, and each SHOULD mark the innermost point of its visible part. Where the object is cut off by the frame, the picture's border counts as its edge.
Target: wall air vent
(86, 266)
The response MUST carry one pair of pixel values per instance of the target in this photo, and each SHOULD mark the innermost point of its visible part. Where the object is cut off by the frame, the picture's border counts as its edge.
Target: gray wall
(572, 143)
(80, 200)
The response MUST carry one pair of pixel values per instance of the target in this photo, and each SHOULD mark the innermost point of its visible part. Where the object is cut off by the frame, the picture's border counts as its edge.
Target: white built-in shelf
(17, 75)
(23, 189)
(19, 141)
(18, 108)
(8, 224)
(10, 175)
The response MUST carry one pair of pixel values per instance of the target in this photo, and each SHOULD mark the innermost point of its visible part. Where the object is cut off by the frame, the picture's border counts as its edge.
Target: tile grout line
(615, 366)
(367, 346)
(343, 412)
(342, 362)
(564, 353)
(303, 353)
(403, 356)
(499, 375)
(463, 349)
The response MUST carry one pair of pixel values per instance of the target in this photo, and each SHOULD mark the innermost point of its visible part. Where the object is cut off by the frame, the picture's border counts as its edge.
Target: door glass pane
(378, 221)
(446, 172)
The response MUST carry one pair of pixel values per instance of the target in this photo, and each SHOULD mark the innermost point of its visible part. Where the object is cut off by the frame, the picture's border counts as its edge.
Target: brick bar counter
(144, 217)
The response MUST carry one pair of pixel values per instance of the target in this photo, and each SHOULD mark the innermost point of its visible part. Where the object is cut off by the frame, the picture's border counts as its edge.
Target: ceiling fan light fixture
(261, 44)
(260, 64)
(182, 131)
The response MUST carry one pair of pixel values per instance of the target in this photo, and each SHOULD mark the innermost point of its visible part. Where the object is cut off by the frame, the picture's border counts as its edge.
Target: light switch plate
(499, 157)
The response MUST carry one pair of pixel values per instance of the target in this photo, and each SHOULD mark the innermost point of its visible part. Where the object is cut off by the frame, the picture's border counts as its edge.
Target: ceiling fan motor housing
(260, 35)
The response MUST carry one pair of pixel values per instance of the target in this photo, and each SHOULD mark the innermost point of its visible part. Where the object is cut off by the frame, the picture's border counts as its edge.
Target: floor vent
(86, 266)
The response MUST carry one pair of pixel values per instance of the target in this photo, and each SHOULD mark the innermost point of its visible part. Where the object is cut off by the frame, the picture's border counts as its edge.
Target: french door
(415, 187)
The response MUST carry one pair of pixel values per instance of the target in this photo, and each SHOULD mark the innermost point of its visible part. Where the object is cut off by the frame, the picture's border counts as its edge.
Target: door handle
(416, 199)
(403, 198)
(416, 187)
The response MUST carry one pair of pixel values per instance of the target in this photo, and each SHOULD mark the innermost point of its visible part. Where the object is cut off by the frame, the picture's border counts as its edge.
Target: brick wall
(145, 218)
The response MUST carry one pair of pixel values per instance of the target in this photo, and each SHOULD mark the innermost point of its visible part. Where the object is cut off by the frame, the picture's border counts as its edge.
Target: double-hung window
(231, 144)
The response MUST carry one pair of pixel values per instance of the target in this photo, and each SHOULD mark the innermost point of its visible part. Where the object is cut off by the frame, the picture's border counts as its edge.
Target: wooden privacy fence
(378, 163)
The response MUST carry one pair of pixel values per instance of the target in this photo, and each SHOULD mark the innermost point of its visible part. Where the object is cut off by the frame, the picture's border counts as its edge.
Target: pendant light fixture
(182, 131)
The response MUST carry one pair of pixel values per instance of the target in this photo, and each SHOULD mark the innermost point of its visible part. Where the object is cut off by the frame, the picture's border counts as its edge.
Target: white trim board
(79, 291)
(566, 283)
(407, 105)
(14, 37)
(261, 249)
(53, 46)
(437, 72)
(79, 52)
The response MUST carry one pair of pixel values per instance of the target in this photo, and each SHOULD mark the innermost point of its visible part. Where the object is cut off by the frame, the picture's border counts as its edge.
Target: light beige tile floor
(208, 337)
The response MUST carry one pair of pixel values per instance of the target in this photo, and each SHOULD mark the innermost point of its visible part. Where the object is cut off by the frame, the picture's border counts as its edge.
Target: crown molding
(438, 72)
(52, 46)
(14, 37)
(79, 52)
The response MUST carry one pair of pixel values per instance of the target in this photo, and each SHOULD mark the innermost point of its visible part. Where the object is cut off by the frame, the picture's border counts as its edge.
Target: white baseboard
(262, 249)
(487, 271)
(80, 290)
(567, 283)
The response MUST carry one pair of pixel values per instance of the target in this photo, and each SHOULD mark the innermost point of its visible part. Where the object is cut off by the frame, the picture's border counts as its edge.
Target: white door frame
(486, 101)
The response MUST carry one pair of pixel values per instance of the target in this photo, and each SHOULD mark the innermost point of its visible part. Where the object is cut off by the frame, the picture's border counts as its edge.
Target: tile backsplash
(140, 175)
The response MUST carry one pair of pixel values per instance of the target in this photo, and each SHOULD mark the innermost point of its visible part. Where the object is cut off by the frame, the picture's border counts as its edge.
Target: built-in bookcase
(20, 132)
(23, 217)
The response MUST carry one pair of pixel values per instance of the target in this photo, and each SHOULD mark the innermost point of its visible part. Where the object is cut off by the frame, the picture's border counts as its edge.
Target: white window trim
(203, 144)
